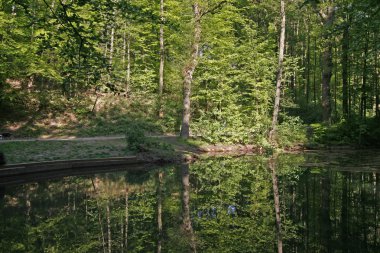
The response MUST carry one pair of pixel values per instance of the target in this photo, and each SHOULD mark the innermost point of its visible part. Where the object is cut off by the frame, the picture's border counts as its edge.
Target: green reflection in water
(329, 203)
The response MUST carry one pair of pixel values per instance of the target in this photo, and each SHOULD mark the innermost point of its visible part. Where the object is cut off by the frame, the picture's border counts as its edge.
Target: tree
(162, 61)
(189, 70)
(326, 13)
(279, 74)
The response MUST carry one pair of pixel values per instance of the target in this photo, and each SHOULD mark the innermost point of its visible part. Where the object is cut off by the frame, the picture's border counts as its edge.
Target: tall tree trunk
(159, 211)
(315, 73)
(105, 52)
(276, 194)
(335, 81)
(188, 72)
(326, 77)
(363, 99)
(345, 48)
(111, 46)
(187, 226)
(162, 61)
(377, 96)
(327, 62)
(279, 75)
(308, 67)
(128, 81)
(124, 46)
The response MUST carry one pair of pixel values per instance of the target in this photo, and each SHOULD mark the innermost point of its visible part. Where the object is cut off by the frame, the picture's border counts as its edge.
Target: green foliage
(59, 57)
(291, 131)
(233, 94)
(138, 141)
(355, 131)
(135, 136)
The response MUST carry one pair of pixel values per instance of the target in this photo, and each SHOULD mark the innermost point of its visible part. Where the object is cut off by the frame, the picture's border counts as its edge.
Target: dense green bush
(291, 131)
(354, 132)
(135, 137)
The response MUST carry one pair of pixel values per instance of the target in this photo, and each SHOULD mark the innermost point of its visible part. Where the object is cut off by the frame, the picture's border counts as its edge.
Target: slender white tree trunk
(128, 81)
(111, 46)
(276, 109)
(162, 61)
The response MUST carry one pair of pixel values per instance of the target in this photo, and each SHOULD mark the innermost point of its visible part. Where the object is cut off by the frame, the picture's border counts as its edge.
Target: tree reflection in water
(213, 205)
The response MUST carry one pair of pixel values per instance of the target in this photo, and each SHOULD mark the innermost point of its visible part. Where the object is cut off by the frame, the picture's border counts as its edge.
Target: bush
(353, 132)
(135, 137)
(137, 141)
(291, 131)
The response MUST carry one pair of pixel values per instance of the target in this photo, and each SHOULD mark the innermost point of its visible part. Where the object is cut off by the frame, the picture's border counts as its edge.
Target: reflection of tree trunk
(325, 212)
(186, 206)
(99, 216)
(344, 214)
(109, 227)
(159, 211)
(377, 200)
(364, 217)
(28, 205)
(314, 211)
(126, 218)
(276, 194)
(121, 234)
(307, 214)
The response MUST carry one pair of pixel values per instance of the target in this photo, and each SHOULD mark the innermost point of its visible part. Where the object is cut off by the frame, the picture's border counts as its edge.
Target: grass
(113, 118)
(168, 148)
(39, 151)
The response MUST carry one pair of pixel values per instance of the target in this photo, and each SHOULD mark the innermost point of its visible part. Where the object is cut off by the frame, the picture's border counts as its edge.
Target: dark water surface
(330, 202)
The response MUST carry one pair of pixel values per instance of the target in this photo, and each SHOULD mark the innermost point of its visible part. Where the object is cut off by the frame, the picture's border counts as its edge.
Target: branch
(54, 14)
(314, 5)
(214, 9)
(322, 14)
(68, 20)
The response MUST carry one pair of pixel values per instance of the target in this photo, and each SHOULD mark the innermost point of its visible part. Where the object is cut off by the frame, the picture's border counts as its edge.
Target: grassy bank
(149, 148)
(39, 151)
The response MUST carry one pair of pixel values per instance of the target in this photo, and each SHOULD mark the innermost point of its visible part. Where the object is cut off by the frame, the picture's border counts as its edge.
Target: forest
(204, 68)
(165, 85)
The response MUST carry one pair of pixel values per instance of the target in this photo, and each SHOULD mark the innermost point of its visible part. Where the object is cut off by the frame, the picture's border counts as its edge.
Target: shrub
(135, 136)
(291, 131)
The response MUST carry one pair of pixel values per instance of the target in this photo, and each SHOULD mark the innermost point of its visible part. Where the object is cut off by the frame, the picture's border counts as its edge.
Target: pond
(329, 202)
